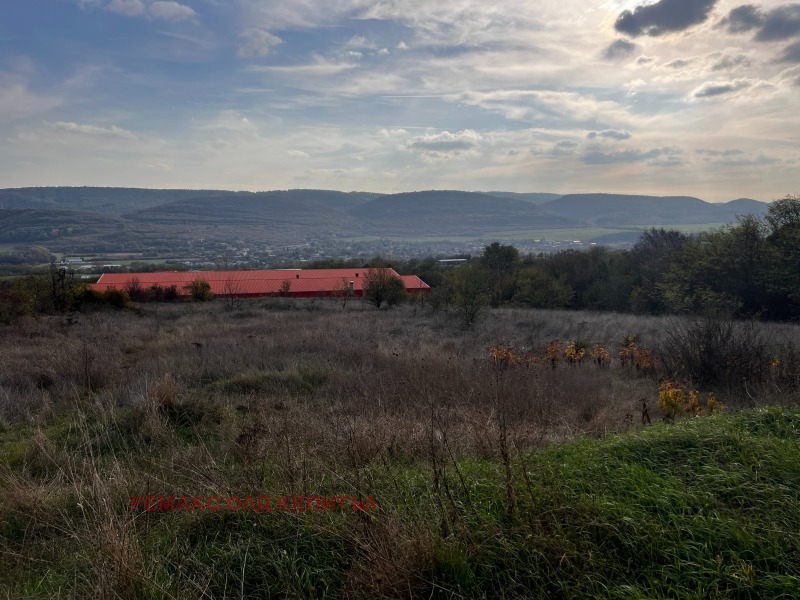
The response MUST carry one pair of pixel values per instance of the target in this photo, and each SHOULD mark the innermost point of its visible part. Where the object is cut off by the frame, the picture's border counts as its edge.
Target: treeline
(52, 290)
(750, 269)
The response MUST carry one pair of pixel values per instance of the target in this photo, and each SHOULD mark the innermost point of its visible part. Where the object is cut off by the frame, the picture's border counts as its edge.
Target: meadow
(465, 462)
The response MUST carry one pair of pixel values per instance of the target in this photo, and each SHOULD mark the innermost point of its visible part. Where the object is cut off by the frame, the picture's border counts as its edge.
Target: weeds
(450, 431)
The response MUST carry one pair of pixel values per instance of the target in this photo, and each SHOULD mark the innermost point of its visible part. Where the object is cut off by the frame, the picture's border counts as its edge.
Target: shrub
(382, 285)
(200, 290)
(117, 298)
(469, 292)
(712, 352)
(135, 291)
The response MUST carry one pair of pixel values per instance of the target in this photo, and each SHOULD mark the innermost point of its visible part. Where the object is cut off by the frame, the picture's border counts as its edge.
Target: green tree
(469, 291)
(652, 257)
(199, 290)
(500, 263)
(782, 270)
(538, 289)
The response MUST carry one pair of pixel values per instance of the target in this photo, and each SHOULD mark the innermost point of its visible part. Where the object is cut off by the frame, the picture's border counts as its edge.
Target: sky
(666, 97)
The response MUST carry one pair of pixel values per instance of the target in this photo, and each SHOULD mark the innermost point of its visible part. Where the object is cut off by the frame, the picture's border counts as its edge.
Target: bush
(469, 292)
(382, 285)
(117, 298)
(711, 353)
(200, 290)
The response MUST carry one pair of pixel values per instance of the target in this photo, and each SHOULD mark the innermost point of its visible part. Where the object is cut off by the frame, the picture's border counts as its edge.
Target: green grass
(705, 508)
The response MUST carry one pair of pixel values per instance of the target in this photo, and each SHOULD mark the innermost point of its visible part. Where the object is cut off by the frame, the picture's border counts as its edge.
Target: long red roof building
(302, 283)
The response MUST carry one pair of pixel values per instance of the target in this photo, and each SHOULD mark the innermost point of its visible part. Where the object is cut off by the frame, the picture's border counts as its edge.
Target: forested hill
(280, 216)
(617, 210)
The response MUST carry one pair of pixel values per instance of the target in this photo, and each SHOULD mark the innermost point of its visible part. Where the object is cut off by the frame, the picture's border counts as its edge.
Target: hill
(327, 198)
(533, 197)
(104, 200)
(110, 218)
(453, 213)
(25, 224)
(265, 210)
(619, 210)
(746, 205)
(118, 201)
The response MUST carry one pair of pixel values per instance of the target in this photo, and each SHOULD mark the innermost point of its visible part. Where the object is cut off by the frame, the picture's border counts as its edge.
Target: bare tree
(61, 287)
(232, 290)
(286, 288)
(344, 291)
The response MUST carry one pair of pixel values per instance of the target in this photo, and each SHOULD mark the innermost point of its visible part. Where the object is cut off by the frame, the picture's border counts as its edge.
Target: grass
(518, 482)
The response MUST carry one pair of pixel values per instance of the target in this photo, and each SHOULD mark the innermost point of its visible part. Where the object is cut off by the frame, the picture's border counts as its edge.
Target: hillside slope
(619, 210)
(453, 212)
(265, 210)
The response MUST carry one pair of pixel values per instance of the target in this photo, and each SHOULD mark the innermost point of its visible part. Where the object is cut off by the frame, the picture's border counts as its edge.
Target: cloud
(93, 130)
(129, 8)
(791, 53)
(729, 62)
(679, 63)
(743, 18)
(298, 154)
(735, 158)
(319, 67)
(171, 11)
(548, 107)
(711, 152)
(645, 60)
(256, 42)
(18, 101)
(780, 23)
(663, 17)
(390, 131)
(564, 148)
(444, 145)
(619, 49)
(166, 10)
(612, 134)
(629, 155)
(359, 42)
(719, 88)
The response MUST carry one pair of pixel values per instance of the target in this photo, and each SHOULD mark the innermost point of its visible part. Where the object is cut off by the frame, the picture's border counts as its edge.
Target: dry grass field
(304, 398)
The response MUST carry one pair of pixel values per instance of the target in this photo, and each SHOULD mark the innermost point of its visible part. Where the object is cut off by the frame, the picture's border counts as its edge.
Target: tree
(537, 289)
(652, 257)
(784, 213)
(501, 263)
(135, 290)
(61, 287)
(382, 285)
(232, 289)
(344, 291)
(469, 292)
(782, 269)
(199, 290)
(286, 288)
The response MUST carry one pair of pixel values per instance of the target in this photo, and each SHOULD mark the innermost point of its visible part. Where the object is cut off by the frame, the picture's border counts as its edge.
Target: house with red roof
(297, 283)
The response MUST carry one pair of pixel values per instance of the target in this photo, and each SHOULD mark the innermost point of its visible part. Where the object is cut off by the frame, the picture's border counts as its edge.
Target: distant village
(239, 254)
